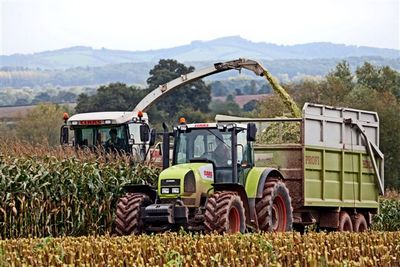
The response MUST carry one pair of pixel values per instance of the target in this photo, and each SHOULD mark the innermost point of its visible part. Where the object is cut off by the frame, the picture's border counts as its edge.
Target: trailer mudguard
(256, 179)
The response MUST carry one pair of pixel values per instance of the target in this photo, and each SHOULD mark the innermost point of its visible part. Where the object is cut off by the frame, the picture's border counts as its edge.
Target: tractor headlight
(165, 190)
(175, 190)
(189, 185)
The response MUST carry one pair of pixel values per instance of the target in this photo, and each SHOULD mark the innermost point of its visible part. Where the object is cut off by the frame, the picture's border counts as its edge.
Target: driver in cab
(221, 154)
(114, 142)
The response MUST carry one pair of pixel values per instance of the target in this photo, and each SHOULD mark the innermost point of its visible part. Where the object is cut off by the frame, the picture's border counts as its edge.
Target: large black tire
(225, 213)
(359, 223)
(128, 220)
(274, 209)
(345, 224)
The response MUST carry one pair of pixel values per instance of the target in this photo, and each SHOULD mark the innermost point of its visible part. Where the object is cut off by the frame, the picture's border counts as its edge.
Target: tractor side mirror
(153, 134)
(144, 133)
(251, 132)
(64, 135)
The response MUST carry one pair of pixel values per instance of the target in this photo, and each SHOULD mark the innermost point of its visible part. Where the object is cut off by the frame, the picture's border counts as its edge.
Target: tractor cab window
(85, 137)
(199, 148)
(203, 143)
(181, 150)
(134, 132)
(242, 148)
(110, 138)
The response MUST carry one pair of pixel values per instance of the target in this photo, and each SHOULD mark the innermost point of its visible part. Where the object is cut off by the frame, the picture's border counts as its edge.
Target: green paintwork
(339, 178)
(203, 186)
(178, 172)
(253, 177)
(321, 177)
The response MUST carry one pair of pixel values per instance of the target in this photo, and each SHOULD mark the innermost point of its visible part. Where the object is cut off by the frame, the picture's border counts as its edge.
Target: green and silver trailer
(329, 160)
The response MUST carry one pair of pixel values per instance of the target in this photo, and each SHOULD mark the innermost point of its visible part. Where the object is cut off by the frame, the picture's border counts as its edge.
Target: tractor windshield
(110, 138)
(204, 143)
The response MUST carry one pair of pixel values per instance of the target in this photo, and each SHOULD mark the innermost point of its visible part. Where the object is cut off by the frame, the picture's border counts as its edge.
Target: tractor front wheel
(225, 213)
(128, 220)
(274, 209)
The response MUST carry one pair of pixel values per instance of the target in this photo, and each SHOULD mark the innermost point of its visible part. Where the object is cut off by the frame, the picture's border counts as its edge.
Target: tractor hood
(185, 179)
(203, 170)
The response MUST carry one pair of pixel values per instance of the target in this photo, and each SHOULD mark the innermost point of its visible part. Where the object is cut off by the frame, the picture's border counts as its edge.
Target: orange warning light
(182, 120)
(65, 116)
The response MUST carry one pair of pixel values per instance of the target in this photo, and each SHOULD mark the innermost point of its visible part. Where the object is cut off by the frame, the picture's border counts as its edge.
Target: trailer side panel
(338, 178)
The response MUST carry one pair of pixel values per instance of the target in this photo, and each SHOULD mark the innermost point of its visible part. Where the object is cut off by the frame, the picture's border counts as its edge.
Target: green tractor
(212, 186)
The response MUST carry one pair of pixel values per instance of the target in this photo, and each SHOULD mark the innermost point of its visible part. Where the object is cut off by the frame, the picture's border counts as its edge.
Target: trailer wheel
(274, 209)
(128, 219)
(345, 224)
(359, 223)
(225, 213)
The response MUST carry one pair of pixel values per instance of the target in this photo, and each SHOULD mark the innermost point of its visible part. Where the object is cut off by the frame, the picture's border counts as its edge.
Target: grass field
(13, 112)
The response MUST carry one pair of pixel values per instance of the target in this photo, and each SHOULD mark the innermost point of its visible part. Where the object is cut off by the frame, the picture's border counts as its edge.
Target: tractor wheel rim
(234, 220)
(279, 214)
(275, 217)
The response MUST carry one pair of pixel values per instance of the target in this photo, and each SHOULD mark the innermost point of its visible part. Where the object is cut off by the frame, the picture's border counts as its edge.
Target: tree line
(26, 96)
(370, 87)
(137, 73)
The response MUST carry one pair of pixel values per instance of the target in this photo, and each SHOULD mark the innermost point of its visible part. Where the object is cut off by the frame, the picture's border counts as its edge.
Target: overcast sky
(28, 26)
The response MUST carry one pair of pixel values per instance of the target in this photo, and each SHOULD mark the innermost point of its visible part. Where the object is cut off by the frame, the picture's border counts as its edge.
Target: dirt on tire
(266, 206)
(359, 223)
(218, 213)
(345, 223)
(128, 219)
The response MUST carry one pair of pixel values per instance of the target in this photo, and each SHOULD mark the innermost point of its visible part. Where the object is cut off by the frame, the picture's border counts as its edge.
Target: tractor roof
(213, 125)
(99, 118)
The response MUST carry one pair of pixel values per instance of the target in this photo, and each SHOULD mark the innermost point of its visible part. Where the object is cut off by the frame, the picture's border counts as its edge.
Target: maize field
(48, 196)
(180, 249)
(50, 193)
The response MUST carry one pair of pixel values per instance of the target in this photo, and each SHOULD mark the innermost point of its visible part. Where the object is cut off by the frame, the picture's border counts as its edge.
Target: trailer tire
(345, 224)
(359, 223)
(128, 219)
(224, 213)
(274, 209)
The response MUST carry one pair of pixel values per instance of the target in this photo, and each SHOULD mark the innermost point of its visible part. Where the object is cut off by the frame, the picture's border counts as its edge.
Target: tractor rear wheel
(345, 224)
(274, 209)
(225, 213)
(128, 219)
(359, 223)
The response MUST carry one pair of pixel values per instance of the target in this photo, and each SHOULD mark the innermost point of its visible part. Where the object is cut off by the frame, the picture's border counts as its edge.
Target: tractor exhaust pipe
(165, 146)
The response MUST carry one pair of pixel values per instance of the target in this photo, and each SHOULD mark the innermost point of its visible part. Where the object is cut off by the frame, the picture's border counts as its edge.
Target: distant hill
(219, 49)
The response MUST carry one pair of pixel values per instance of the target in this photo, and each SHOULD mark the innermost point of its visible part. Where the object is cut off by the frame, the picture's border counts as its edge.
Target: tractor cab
(225, 147)
(120, 132)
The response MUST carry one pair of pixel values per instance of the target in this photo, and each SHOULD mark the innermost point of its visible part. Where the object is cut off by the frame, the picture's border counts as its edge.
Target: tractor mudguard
(256, 179)
(142, 188)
